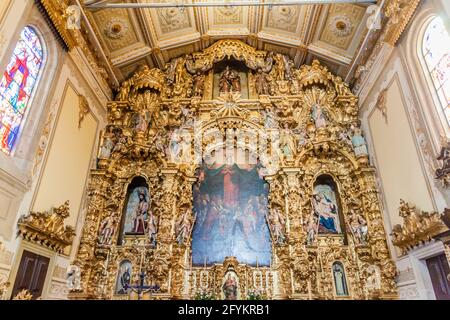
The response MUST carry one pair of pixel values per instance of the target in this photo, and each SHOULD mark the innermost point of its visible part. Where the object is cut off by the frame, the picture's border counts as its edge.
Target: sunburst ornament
(228, 103)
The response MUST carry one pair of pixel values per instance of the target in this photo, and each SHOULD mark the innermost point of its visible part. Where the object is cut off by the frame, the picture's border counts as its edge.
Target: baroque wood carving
(305, 133)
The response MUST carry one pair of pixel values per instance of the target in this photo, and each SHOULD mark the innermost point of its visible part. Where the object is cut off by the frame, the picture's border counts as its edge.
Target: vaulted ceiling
(132, 37)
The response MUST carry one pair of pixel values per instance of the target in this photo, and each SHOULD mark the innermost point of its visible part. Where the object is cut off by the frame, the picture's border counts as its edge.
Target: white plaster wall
(21, 173)
(424, 127)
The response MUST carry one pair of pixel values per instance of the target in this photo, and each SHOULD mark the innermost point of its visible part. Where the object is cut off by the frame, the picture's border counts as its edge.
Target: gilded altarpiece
(319, 203)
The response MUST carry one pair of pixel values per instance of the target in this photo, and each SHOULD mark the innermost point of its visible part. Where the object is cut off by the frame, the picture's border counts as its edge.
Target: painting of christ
(230, 202)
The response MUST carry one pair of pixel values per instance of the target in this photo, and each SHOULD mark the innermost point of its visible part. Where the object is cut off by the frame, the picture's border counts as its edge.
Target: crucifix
(142, 288)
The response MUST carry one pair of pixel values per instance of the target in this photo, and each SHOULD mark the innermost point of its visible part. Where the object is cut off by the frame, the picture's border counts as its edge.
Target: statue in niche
(123, 278)
(261, 82)
(318, 116)
(340, 282)
(107, 229)
(358, 227)
(108, 144)
(287, 142)
(230, 287)
(277, 225)
(230, 81)
(141, 213)
(183, 227)
(359, 143)
(199, 84)
(325, 209)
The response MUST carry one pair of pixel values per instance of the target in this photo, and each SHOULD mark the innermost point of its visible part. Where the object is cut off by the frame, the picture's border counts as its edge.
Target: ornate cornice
(57, 12)
(399, 13)
(47, 228)
(396, 14)
(418, 227)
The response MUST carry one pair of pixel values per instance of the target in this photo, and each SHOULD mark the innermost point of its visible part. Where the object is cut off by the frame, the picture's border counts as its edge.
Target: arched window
(436, 54)
(17, 85)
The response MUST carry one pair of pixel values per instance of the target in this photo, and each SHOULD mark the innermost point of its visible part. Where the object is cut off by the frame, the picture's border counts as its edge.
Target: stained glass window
(17, 86)
(436, 52)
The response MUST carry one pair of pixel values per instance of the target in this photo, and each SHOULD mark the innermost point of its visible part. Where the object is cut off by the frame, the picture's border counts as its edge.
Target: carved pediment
(47, 228)
(418, 227)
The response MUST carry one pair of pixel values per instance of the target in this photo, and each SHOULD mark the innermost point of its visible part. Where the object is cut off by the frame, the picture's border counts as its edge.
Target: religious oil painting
(230, 201)
(325, 207)
(123, 277)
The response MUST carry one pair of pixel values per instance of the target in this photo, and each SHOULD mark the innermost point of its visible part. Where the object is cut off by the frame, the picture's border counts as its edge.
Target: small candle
(257, 266)
(205, 263)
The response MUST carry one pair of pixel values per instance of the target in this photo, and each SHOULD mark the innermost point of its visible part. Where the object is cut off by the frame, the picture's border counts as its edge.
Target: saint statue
(358, 227)
(277, 224)
(359, 143)
(230, 288)
(73, 278)
(287, 142)
(283, 67)
(318, 116)
(140, 214)
(108, 144)
(152, 228)
(183, 227)
(230, 81)
(339, 280)
(107, 230)
(261, 82)
(326, 211)
(311, 230)
(199, 84)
